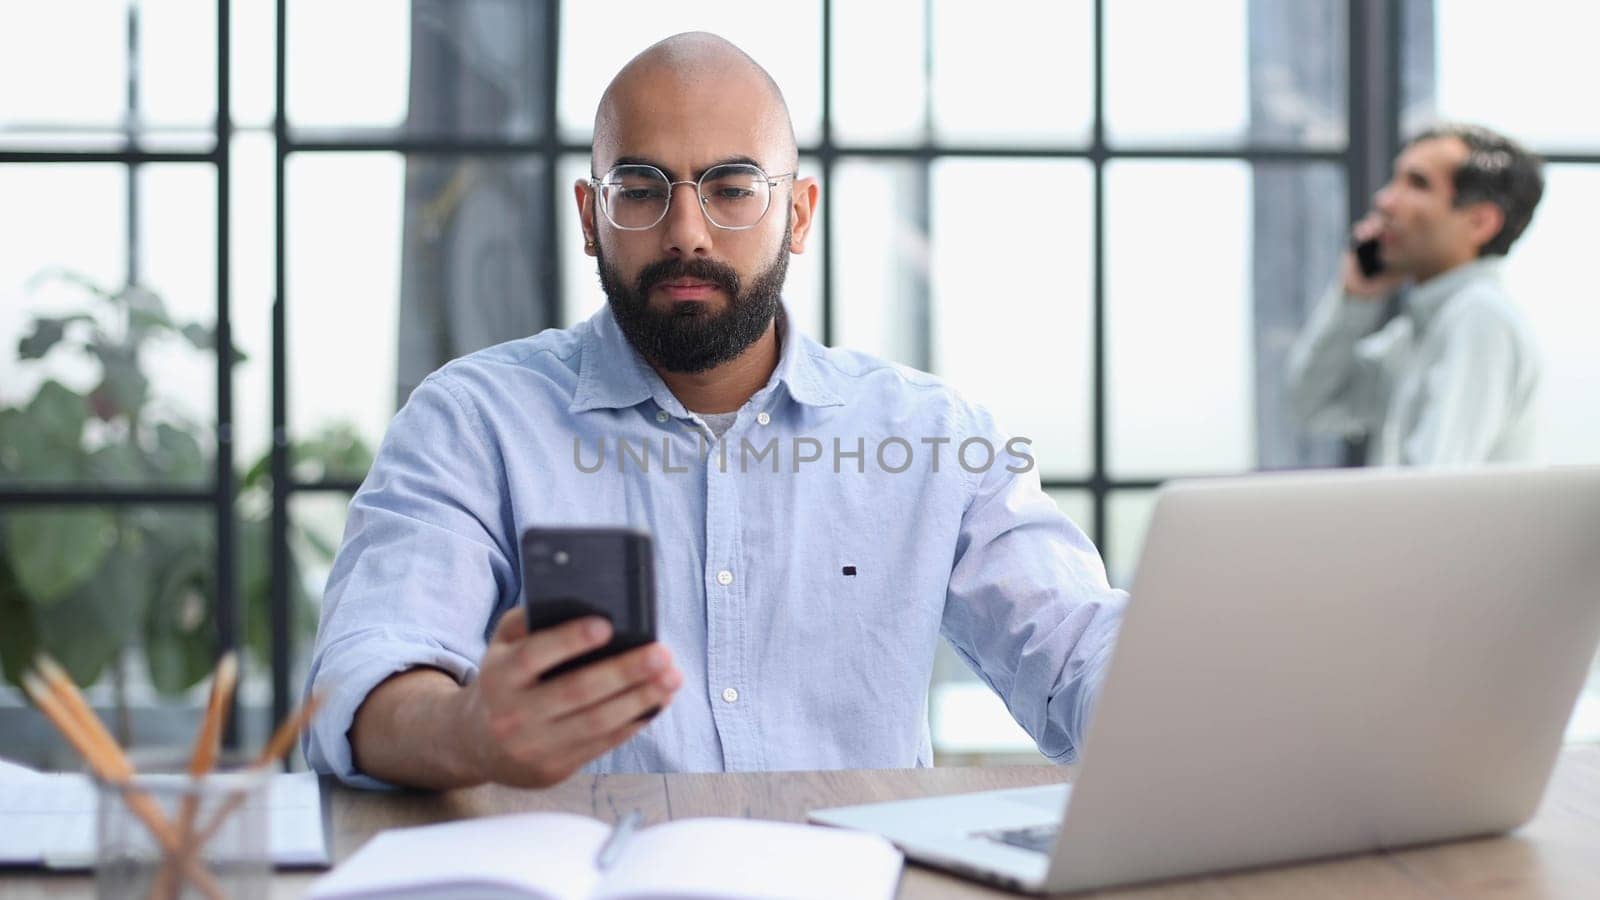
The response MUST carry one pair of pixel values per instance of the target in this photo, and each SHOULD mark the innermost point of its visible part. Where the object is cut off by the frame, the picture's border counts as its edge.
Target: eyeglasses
(733, 196)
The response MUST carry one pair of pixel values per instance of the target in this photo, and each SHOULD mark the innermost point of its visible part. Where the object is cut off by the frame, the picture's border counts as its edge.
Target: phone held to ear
(1368, 258)
(569, 573)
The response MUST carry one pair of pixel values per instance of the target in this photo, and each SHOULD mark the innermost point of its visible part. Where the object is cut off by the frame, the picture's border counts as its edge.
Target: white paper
(530, 855)
(50, 820)
(15, 773)
(551, 855)
(758, 860)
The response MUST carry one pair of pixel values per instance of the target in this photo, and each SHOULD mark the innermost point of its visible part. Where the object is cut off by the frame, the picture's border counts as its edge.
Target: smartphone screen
(568, 573)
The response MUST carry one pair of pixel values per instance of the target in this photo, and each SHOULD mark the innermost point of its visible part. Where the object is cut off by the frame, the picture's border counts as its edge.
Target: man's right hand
(1354, 283)
(530, 733)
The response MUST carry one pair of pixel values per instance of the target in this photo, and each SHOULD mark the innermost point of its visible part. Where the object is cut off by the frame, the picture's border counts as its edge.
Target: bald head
(681, 85)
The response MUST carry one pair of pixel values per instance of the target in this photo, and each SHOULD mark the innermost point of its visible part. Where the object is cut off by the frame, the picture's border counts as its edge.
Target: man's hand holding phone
(535, 732)
(1362, 283)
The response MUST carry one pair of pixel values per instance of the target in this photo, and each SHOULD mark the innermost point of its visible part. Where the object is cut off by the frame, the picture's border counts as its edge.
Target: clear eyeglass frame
(714, 173)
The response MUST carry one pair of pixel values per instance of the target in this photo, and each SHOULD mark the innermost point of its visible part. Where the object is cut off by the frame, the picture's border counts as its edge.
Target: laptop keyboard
(1039, 838)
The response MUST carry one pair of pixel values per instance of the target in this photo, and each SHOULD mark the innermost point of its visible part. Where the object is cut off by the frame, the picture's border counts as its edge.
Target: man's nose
(1383, 200)
(686, 231)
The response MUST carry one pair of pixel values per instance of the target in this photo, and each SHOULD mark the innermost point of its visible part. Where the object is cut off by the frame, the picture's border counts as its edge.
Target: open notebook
(551, 856)
(49, 819)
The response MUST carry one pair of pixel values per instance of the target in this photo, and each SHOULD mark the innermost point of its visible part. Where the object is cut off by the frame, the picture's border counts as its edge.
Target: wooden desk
(1556, 855)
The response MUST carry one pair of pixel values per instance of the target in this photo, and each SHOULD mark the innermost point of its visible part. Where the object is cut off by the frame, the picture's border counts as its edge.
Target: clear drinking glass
(212, 842)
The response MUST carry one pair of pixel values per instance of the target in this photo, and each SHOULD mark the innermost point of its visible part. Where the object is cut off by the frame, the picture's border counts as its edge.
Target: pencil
(276, 749)
(53, 692)
(202, 758)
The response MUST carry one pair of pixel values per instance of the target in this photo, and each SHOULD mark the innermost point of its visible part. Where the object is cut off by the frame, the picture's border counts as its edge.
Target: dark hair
(1497, 170)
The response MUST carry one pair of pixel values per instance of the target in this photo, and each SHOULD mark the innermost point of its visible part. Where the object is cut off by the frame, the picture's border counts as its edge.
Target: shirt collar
(1423, 301)
(612, 374)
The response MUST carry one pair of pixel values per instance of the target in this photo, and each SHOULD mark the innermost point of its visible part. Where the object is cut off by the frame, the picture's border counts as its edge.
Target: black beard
(688, 338)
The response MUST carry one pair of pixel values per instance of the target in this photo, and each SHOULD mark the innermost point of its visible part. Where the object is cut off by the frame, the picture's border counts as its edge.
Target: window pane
(1078, 505)
(324, 90)
(61, 219)
(100, 382)
(1225, 72)
(1011, 280)
(1299, 230)
(1021, 71)
(1128, 518)
(178, 63)
(880, 272)
(436, 258)
(343, 233)
(878, 82)
(469, 69)
(252, 62)
(86, 583)
(1550, 258)
(178, 261)
(251, 289)
(73, 57)
(1178, 319)
(1528, 74)
(582, 296)
(597, 39)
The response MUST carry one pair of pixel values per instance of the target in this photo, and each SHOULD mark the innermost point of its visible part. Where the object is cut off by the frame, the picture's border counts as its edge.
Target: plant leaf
(337, 451)
(178, 456)
(141, 299)
(19, 639)
(255, 587)
(59, 413)
(179, 626)
(28, 453)
(91, 626)
(119, 462)
(52, 551)
(46, 333)
(200, 336)
(123, 389)
(67, 276)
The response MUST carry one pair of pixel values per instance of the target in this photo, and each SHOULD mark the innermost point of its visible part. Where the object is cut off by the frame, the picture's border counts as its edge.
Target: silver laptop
(1311, 664)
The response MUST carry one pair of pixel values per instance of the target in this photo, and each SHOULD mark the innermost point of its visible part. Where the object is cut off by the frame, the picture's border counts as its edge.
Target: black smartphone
(568, 573)
(1368, 258)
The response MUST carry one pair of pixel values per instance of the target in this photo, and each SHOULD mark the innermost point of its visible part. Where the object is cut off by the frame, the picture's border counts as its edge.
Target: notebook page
(14, 773)
(546, 855)
(748, 858)
(50, 819)
(48, 814)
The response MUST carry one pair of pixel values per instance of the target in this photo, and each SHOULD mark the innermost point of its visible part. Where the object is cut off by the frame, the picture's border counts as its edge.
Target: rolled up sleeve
(1029, 606)
(423, 570)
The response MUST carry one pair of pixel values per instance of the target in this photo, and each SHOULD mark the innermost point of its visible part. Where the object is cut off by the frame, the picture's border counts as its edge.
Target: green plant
(85, 583)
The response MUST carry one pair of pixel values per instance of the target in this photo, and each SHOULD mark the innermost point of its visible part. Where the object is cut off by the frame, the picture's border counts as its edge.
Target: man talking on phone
(820, 519)
(1452, 379)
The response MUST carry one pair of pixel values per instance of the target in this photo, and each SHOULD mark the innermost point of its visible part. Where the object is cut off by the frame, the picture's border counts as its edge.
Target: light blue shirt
(840, 464)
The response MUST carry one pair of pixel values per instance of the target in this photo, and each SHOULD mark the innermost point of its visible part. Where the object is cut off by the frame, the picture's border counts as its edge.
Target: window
(1138, 198)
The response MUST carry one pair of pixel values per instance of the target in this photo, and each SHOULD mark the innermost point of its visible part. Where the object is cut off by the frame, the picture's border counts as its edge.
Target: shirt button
(730, 695)
(724, 577)
(661, 415)
(763, 418)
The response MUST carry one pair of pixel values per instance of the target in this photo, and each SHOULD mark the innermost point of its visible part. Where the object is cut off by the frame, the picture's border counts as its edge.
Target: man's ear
(1484, 221)
(584, 194)
(802, 206)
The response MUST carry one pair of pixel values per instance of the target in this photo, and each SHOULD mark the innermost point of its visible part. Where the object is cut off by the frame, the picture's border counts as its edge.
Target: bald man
(821, 518)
